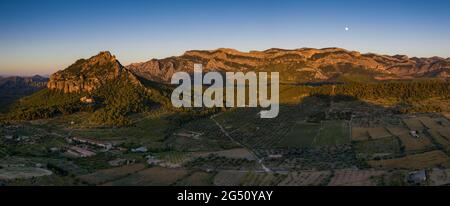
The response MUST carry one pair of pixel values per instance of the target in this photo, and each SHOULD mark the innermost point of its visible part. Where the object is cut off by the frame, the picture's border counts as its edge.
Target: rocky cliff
(86, 75)
(299, 65)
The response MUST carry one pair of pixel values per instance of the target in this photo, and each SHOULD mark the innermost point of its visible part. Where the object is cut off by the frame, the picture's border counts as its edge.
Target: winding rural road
(259, 160)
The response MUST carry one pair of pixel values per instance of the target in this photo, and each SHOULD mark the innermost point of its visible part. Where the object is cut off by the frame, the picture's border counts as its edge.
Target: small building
(152, 160)
(80, 152)
(54, 149)
(105, 145)
(140, 150)
(120, 162)
(414, 133)
(417, 177)
(189, 134)
(275, 156)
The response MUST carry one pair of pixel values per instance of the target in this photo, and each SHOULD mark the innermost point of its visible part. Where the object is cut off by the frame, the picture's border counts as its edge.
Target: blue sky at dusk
(43, 36)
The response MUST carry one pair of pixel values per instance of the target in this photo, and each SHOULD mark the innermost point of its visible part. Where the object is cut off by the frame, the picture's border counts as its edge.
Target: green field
(155, 176)
(148, 132)
(333, 133)
(378, 147)
(197, 179)
(301, 135)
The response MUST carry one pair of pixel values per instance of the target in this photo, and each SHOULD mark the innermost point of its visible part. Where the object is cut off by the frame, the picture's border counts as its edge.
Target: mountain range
(16, 85)
(295, 66)
(298, 65)
(118, 91)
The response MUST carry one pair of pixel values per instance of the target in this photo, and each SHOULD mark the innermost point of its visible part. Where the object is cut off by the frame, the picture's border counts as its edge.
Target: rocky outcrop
(299, 65)
(87, 75)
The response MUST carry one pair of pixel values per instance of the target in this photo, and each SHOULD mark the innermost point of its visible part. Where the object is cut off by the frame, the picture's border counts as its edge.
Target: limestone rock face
(298, 65)
(87, 75)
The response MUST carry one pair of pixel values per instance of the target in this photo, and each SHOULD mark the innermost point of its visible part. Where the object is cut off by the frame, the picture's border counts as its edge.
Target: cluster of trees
(405, 90)
(119, 99)
(114, 102)
(45, 104)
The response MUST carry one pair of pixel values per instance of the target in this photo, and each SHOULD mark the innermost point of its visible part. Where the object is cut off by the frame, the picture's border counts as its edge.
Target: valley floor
(316, 142)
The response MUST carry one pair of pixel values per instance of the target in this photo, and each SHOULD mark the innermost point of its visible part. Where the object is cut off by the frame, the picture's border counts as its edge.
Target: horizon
(42, 37)
(74, 60)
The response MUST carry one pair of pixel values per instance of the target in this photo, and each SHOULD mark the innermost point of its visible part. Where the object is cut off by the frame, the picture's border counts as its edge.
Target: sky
(43, 36)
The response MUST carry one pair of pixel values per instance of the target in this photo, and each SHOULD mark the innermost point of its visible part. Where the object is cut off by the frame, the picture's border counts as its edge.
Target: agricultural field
(323, 158)
(314, 141)
(209, 137)
(430, 123)
(397, 131)
(306, 178)
(439, 177)
(289, 130)
(360, 134)
(148, 131)
(439, 139)
(414, 124)
(354, 178)
(369, 133)
(262, 179)
(156, 176)
(378, 133)
(174, 158)
(417, 161)
(229, 178)
(302, 134)
(332, 133)
(445, 132)
(11, 173)
(412, 144)
(107, 175)
(215, 162)
(197, 179)
(238, 153)
(378, 148)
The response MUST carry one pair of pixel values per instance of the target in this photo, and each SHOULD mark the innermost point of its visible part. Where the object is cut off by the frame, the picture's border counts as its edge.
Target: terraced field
(103, 176)
(411, 143)
(197, 179)
(414, 124)
(354, 178)
(360, 134)
(417, 161)
(333, 133)
(415, 144)
(430, 123)
(229, 178)
(371, 149)
(155, 176)
(439, 139)
(11, 173)
(262, 179)
(301, 135)
(174, 158)
(378, 133)
(306, 178)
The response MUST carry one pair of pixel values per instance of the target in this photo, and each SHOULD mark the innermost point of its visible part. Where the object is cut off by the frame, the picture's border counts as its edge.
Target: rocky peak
(85, 75)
